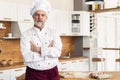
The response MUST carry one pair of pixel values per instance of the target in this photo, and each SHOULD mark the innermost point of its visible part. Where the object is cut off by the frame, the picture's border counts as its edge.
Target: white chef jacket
(48, 58)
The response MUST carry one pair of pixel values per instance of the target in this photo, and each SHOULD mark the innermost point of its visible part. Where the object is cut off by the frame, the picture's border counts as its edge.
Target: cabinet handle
(63, 63)
(7, 18)
(26, 20)
(1, 72)
(18, 70)
(76, 34)
(63, 69)
(80, 60)
(73, 61)
(63, 33)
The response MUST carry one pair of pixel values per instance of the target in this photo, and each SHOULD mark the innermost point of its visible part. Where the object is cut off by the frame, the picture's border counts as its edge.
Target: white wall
(57, 4)
(62, 4)
(111, 3)
(19, 1)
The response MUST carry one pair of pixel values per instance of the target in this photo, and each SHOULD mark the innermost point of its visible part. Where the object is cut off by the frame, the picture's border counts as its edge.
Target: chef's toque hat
(40, 5)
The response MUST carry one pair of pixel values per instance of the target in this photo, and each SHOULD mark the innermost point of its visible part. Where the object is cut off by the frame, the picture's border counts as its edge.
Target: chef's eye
(43, 15)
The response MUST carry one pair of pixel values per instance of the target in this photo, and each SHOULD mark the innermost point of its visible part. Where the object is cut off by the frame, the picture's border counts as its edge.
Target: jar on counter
(10, 62)
(4, 62)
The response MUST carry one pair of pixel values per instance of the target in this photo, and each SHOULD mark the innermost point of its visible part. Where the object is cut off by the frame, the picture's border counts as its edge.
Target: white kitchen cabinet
(59, 20)
(24, 13)
(8, 11)
(23, 26)
(4, 75)
(80, 23)
(74, 65)
(101, 30)
(111, 32)
(5, 78)
(17, 72)
(80, 65)
(11, 74)
(86, 41)
(51, 21)
(111, 42)
(63, 22)
(107, 37)
(12, 78)
(64, 66)
(19, 27)
(70, 23)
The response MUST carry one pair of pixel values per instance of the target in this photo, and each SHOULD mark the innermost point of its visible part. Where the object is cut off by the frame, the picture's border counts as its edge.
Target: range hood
(19, 27)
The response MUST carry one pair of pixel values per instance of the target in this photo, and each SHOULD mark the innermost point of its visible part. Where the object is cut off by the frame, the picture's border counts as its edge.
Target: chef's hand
(51, 43)
(34, 47)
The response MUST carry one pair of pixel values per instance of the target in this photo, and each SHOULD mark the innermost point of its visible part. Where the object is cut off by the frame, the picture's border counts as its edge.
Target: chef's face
(40, 18)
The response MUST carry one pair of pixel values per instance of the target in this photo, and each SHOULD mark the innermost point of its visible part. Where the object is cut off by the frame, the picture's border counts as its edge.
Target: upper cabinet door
(24, 13)
(62, 20)
(8, 11)
(58, 19)
(101, 29)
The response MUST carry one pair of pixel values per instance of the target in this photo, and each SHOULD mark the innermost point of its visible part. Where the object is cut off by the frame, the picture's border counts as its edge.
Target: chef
(41, 45)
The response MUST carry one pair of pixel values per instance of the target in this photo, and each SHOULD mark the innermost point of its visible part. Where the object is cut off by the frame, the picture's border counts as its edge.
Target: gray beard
(39, 24)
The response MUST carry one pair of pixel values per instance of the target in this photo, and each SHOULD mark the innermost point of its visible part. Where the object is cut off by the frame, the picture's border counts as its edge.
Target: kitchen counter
(21, 64)
(73, 58)
(15, 65)
(115, 76)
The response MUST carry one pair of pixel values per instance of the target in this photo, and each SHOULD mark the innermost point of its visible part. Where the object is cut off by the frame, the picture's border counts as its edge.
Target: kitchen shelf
(106, 10)
(11, 38)
(104, 48)
(2, 27)
(111, 48)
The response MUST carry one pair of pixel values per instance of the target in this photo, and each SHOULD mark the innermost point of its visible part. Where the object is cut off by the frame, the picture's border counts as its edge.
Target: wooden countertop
(15, 65)
(74, 58)
(21, 64)
(106, 10)
(115, 76)
(87, 48)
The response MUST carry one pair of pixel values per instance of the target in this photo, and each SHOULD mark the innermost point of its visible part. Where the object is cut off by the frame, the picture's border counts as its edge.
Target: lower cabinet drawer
(18, 71)
(4, 73)
(5, 78)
